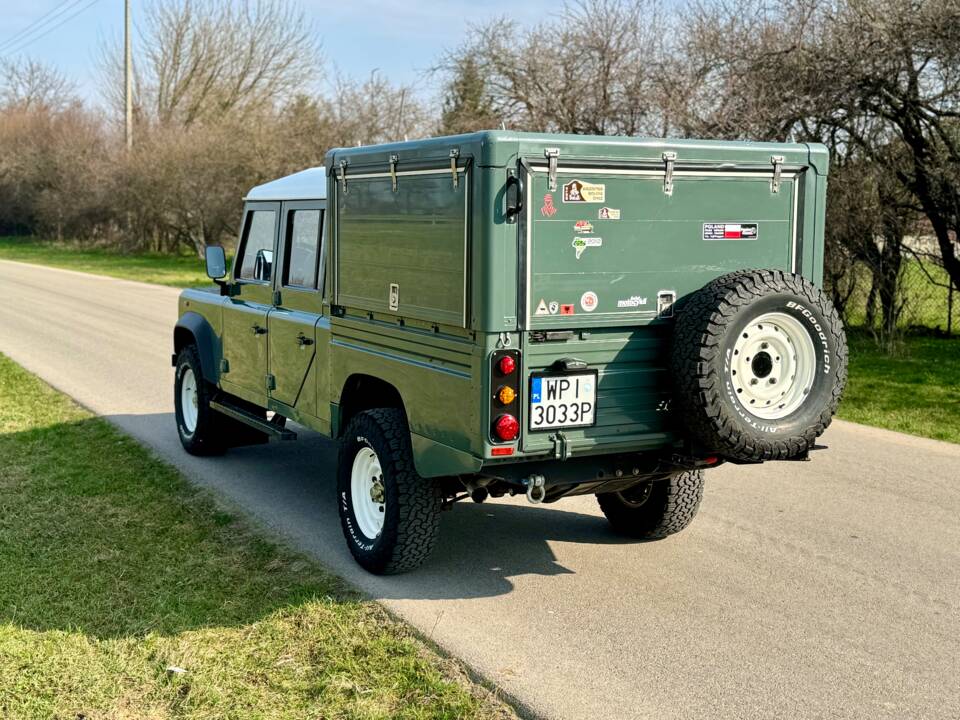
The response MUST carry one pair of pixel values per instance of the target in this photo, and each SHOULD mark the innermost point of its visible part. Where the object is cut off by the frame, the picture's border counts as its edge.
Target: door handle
(257, 330)
(303, 340)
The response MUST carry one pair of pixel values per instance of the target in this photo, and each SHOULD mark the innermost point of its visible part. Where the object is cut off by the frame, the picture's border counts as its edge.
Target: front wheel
(654, 509)
(197, 424)
(389, 514)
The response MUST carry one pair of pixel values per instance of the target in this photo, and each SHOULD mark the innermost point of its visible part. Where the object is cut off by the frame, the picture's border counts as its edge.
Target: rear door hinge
(561, 449)
(553, 157)
(343, 175)
(669, 158)
(224, 366)
(539, 336)
(777, 161)
(271, 382)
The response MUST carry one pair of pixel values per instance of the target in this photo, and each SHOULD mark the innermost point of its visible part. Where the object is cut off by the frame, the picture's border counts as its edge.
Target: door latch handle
(303, 340)
(257, 330)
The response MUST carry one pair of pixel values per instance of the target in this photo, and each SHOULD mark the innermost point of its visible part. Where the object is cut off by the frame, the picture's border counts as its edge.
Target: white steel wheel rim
(367, 492)
(189, 401)
(773, 366)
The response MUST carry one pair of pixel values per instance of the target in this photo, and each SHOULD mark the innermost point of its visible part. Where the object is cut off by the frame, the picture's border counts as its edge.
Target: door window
(256, 262)
(303, 248)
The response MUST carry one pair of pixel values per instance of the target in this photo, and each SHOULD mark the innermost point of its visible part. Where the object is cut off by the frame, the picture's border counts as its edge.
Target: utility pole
(128, 76)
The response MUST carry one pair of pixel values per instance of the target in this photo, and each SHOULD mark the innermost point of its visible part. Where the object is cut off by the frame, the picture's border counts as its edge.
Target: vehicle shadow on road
(290, 487)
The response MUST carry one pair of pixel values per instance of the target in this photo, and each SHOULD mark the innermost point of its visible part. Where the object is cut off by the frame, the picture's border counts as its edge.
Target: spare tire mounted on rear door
(759, 362)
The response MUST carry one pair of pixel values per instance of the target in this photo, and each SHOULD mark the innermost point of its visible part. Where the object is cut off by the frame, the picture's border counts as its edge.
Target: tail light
(506, 428)
(505, 396)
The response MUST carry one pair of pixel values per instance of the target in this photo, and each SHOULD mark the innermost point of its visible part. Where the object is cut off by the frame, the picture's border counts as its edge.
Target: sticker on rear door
(578, 191)
(730, 231)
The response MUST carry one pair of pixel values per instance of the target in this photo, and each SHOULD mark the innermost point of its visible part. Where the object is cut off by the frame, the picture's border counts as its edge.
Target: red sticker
(566, 309)
(548, 209)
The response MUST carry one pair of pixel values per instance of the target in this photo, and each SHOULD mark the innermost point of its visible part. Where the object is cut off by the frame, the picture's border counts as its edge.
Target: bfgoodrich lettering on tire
(389, 514)
(759, 363)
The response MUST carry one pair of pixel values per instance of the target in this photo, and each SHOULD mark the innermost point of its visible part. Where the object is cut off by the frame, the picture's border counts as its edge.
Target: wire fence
(918, 298)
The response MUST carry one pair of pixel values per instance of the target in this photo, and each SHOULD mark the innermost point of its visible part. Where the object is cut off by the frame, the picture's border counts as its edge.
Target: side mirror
(514, 197)
(216, 260)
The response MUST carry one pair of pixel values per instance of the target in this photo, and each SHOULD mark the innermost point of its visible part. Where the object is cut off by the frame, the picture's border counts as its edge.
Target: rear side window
(303, 250)
(257, 260)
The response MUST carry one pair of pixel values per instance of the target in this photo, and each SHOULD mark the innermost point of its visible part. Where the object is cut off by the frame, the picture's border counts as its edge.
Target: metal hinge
(224, 366)
(454, 154)
(343, 176)
(777, 161)
(271, 382)
(553, 157)
(561, 450)
(393, 171)
(669, 158)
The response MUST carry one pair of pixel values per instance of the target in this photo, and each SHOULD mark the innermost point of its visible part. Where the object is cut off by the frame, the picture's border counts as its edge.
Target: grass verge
(172, 270)
(915, 391)
(125, 593)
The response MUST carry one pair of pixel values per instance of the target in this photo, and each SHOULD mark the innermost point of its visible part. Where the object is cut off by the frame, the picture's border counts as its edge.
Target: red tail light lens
(507, 364)
(507, 428)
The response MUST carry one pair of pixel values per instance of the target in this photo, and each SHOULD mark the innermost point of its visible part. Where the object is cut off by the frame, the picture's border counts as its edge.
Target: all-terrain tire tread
(697, 381)
(672, 506)
(418, 499)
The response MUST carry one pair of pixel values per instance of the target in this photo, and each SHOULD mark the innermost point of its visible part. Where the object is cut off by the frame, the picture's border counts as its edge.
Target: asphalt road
(828, 589)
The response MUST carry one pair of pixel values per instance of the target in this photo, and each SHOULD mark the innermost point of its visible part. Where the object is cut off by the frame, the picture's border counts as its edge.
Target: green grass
(172, 270)
(915, 391)
(114, 569)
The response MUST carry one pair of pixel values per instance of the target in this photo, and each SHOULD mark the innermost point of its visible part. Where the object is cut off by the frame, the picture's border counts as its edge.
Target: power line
(30, 42)
(38, 23)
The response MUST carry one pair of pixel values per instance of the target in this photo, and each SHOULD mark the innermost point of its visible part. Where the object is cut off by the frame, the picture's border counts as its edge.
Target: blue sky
(400, 38)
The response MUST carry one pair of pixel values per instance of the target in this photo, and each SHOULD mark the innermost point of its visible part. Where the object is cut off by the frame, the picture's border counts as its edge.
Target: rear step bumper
(275, 431)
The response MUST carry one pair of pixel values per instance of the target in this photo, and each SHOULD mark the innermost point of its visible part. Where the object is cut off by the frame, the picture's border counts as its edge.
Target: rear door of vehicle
(293, 322)
(607, 252)
(245, 315)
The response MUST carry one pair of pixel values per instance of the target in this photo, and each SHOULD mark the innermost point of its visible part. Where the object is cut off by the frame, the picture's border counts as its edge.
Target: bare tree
(199, 60)
(374, 111)
(874, 75)
(595, 69)
(29, 85)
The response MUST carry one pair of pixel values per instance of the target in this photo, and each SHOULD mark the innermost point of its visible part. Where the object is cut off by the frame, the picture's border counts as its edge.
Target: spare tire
(759, 362)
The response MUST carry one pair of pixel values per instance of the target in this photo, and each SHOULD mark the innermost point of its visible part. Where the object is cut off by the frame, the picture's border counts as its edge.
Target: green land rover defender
(501, 313)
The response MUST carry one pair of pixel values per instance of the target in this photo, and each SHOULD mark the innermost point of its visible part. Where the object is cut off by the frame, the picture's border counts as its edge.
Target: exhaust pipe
(536, 491)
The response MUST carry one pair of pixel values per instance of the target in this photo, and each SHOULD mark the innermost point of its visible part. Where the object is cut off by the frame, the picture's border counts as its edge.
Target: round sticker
(588, 301)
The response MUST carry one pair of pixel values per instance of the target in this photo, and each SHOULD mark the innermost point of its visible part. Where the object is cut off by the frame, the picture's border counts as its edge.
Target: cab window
(303, 248)
(256, 262)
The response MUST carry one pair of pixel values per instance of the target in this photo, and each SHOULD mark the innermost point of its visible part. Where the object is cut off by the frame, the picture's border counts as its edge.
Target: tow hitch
(536, 491)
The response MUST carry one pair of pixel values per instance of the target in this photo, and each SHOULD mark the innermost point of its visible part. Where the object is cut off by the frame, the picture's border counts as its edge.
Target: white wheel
(367, 493)
(189, 400)
(773, 366)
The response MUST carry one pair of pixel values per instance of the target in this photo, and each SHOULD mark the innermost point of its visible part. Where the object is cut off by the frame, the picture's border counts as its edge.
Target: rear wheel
(654, 509)
(389, 514)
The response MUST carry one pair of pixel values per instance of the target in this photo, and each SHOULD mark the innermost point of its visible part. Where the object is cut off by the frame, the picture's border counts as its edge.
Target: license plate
(567, 400)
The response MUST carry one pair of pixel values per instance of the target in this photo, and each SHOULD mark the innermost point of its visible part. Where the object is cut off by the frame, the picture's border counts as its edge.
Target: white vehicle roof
(308, 184)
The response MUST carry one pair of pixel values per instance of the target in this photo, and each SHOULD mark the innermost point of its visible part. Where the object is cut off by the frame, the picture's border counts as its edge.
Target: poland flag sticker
(730, 231)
